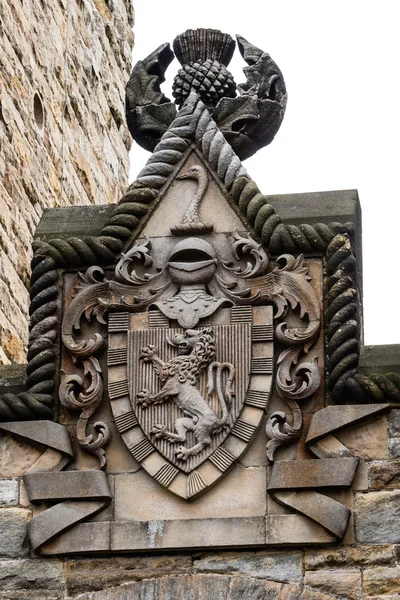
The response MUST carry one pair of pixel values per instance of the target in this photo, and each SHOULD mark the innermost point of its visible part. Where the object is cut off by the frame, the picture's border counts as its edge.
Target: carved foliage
(245, 279)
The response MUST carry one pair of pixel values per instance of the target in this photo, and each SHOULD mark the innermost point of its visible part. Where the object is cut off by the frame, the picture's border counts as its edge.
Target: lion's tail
(224, 396)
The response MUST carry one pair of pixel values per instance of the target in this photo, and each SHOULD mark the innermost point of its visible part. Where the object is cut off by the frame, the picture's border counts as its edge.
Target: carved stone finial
(204, 55)
(248, 115)
(204, 44)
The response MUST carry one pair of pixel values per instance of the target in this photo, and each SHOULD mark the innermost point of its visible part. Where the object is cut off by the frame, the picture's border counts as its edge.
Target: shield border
(219, 463)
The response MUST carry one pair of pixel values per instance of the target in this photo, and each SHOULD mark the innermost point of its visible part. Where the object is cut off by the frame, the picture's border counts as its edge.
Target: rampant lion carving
(179, 377)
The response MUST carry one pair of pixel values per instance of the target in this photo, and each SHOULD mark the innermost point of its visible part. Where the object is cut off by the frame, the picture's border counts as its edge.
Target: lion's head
(192, 338)
(196, 349)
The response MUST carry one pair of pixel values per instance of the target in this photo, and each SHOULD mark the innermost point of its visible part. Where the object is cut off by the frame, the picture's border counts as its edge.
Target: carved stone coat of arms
(186, 334)
(191, 308)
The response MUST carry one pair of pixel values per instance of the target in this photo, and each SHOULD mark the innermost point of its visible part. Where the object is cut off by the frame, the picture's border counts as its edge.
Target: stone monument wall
(364, 566)
(63, 139)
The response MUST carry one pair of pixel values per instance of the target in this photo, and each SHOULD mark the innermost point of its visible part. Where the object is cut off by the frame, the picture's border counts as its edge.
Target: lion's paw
(158, 430)
(182, 453)
(148, 352)
(143, 397)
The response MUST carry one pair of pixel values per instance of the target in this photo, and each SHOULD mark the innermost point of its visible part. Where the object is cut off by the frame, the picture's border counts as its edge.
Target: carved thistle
(249, 114)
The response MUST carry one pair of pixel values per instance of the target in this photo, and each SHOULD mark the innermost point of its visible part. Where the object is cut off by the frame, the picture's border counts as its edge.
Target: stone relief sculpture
(191, 332)
(249, 121)
(179, 377)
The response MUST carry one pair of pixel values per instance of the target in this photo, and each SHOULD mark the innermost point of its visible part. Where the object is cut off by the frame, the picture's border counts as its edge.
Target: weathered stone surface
(245, 588)
(296, 530)
(342, 583)
(394, 433)
(367, 440)
(382, 580)
(90, 574)
(360, 482)
(32, 595)
(347, 557)
(394, 422)
(377, 517)
(9, 491)
(199, 587)
(309, 594)
(175, 203)
(380, 359)
(15, 456)
(241, 494)
(336, 419)
(54, 151)
(256, 455)
(384, 475)
(12, 378)
(191, 533)
(13, 529)
(32, 574)
(84, 537)
(277, 566)
(394, 447)
(383, 597)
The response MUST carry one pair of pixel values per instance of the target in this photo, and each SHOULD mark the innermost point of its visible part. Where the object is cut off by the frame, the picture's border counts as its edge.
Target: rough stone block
(342, 583)
(309, 594)
(276, 566)
(90, 574)
(377, 517)
(201, 587)
(32, 595)
(9, 491)
(32, 574)
(368, 440)
(383, 597)
(384, 475)
(246, 588)
(394, 447)
(382, 580)
(16, 457)
(13, 530)
(394, 423)
(360, 482)
(360, 556)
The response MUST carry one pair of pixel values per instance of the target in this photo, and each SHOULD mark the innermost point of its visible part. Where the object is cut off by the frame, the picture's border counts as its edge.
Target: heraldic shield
(191, 331)
(197, 395)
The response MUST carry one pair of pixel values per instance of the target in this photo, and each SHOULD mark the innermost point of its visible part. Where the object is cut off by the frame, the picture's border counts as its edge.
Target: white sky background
(340, 61)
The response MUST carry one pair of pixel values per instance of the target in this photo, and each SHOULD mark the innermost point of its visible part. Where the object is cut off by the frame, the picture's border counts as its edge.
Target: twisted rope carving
(193, 124)
(345, 383)
(37, 401)
(275, 235)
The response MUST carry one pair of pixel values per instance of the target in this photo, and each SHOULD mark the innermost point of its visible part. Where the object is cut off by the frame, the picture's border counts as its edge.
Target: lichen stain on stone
(154, 529)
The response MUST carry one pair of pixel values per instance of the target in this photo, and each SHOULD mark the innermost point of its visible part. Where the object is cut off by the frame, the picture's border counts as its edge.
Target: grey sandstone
(276, 566)
(13, 532)
(9, 491)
